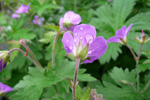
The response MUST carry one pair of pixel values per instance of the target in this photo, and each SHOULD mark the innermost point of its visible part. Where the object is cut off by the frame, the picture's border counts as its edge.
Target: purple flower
(23, 8)
(4, 88)
(38, 20)
(121, 35)
(110, 0)
(70, 19)
(84, 35)
(1, 63)
(15, 16)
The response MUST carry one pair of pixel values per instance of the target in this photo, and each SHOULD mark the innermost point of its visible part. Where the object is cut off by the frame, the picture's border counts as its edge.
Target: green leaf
(52, 27)
(113, 92)
(147, 61)
(119, 74)
(37, 78)
(28, 93)
(143, 23)
(78, 92)
(113, 50)
(48, 37)
(144, 67)
(87, 94)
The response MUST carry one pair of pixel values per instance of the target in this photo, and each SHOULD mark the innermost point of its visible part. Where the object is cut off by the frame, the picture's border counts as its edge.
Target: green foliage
(118, 90)
(111, 18)
(87, 94)
(37, 78)
(107, 17)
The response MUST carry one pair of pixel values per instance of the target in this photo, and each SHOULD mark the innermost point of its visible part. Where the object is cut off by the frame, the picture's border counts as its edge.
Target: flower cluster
(38, 20)
(69, 21)
(4, 89)
(22, 9)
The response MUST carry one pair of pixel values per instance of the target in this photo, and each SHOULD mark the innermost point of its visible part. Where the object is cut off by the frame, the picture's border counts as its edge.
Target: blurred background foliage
(115, 65)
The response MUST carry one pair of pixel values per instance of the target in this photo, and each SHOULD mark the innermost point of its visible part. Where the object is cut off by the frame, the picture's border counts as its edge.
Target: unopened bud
(124, 81)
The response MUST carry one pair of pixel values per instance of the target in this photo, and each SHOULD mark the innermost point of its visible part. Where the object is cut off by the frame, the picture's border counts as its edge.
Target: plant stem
(137, 68)
(29, 50)
(138, 77)
(75, 78)
(140, 51)
(53, 49)
(131, 52)
(136, 58)
(16, 49)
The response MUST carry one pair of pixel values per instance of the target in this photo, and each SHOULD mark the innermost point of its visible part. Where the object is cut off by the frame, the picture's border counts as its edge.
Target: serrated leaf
(37, 78)
(112, 92)
(78, 92)
(28, 93)
(144, 67)
(119, 74)
(52, 27)
(113, 50)
(49, 36)
(87, 94)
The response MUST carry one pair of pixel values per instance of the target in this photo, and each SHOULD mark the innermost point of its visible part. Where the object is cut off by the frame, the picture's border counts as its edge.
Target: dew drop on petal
(76, 34)
(81, 28)
(90, 52)
(75, 40)
(67, 40)
(80, 37)
(89, 38)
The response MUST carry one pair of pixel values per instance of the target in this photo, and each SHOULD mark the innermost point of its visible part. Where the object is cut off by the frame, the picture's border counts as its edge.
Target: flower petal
(121, 33)
(68, 42)
(96, 49)
(114, 39)
(128, 29)
(72, 17)
(84, 33)
(4, 88)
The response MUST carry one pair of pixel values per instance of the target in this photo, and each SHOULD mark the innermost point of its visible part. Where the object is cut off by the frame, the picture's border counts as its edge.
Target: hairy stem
(75, 78)
(139, 55)
(24, 53)
(138, 76)
(131, 52)
(29, 50)
(53, 49)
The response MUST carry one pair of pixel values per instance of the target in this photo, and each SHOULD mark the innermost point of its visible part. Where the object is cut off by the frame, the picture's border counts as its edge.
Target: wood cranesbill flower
(23, 8)
(69, 20)
(15, 16)
(4, 89)
(38, 20)
(121, 35)
(84, 43)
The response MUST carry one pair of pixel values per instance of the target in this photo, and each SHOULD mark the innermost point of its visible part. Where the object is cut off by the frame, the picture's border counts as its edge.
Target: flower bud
(4, 58)
(83, 53)
(143, 38)
(124, 82)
